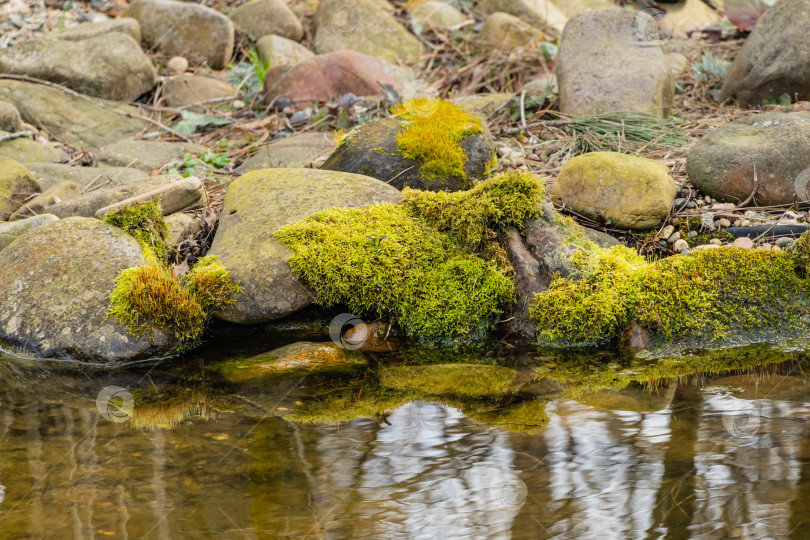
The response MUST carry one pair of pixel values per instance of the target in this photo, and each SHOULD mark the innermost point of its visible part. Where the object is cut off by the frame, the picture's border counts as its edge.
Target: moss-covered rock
(622, 191)
(380, 260)
(428, 144)
(56, 307)
(707, 298)
(541, 14)
(77, 120)
(256, 205)
(16, 185)
(723, 163)
(364, 27)
(113, 65)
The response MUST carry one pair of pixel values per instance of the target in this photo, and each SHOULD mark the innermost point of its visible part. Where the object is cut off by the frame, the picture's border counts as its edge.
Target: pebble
(784, 242)
(533, 157)
(745, 223)
(680, 246)
(716, 242)
(504, 151)
(776, 248)
(692, 234)
(706, 246)
(723, 222)
(666, 232)
(766, 247)
(723, 206)
(177, 65)
(707, 199)
(737, 222)
(690, 204)
(743, 242)
(674, 237)
(678, 202)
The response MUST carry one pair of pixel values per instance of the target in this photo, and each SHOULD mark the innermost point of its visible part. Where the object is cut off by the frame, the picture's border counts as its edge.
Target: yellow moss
(477, 214)
(707, 296)
(338, 135)
(435, 129)
(380, 260)
(143, 221)
(150, 297)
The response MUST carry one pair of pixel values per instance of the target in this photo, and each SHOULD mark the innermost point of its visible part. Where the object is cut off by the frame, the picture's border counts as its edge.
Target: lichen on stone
(382, 260)
(706, 297)
(434, 130)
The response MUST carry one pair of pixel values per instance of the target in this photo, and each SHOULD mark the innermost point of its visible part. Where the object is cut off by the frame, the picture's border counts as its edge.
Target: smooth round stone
(743, 242)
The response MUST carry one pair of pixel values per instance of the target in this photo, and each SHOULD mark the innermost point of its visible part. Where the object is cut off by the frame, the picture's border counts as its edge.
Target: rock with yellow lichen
(426, 144)
(619, 190)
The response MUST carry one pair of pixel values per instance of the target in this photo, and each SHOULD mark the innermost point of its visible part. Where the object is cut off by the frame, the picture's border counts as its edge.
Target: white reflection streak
(746, 481)
(610, 463)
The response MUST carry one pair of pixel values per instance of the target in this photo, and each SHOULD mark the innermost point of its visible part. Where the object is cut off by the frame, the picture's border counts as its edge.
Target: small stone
(745, 223)
(690, 204)
(678, 202)
(716, 242)
(784, 242)
(177, 65)
(724, 223)
(751, 214)
(776, 248)
(10, 119)
(765, 247)
(680, 246)
(666, 232)
(738, 222)
(504, 151)
(723, 206)
(707, 199)
(674, 237)
(743, 242)
(692, 234)
(700, 202)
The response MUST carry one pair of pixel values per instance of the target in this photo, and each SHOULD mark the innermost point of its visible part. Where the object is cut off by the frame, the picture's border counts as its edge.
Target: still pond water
(501, 446)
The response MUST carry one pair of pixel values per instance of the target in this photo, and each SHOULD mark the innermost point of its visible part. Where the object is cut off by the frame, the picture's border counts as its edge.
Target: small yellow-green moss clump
(707, 296)
(150, 297)
(381, 260)
(801, 255)
(435, 129)
(477, 214)
(143, 221)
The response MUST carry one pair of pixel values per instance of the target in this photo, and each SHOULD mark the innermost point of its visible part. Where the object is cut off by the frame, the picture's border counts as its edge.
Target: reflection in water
(725, 456)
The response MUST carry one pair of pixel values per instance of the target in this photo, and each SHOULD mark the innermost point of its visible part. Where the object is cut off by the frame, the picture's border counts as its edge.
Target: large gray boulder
(76, 120)
(11, 230)
(55, 281)
(112, 66)
(775, 58)
(771, 145)
(201, 34)
(606, 66)
(256, 205)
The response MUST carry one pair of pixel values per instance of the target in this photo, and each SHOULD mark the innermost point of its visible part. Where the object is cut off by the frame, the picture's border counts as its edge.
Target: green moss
(380, 260)
(463, 380)
(150, 297)
(352, 399)
(189, 399)
(143, 221)
(800, 254)
(705, 297)
(435, 129)
(525, 417)
(476, 215)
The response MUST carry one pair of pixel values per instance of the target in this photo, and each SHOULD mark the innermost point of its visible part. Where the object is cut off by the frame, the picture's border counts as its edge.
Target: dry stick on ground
(101, 104)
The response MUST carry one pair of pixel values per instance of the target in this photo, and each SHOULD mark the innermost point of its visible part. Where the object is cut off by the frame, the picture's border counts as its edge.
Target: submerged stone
(463, 380)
